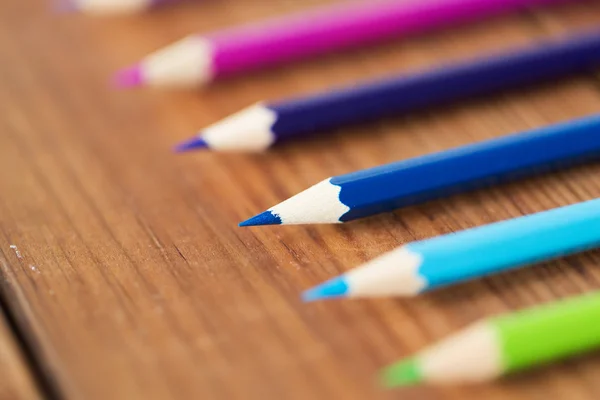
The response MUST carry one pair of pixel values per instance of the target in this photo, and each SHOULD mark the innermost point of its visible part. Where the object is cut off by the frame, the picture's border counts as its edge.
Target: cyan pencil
(474, 253)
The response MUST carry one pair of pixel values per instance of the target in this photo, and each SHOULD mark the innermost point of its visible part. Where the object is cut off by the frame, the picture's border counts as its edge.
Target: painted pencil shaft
(364, 193)
(346, 25)
(308, 34)
(442, 85)
(112, 6)
(506, 344)
(473, 253)
(258, 127)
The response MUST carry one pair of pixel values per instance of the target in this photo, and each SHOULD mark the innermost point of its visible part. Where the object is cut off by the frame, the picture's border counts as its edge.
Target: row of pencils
(487, 349)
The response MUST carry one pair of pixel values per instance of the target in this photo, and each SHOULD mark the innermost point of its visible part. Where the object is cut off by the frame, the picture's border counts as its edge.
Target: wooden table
(124, 275)
(17, 380)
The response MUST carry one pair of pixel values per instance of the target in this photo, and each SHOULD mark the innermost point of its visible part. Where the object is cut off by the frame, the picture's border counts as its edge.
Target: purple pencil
(199, 59)
(110, 6)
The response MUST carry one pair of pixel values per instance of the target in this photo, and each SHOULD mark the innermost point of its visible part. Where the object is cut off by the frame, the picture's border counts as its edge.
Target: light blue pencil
(473, 253)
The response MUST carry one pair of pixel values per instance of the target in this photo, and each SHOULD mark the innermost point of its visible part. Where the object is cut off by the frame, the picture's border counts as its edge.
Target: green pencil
(505, 344)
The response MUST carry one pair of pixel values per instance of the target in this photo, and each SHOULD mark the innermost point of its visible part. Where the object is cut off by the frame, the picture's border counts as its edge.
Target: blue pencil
(258, 127)
(360, 194)
(457, 257)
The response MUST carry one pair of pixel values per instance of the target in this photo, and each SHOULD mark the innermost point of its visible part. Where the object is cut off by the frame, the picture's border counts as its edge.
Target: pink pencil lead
(129, 77)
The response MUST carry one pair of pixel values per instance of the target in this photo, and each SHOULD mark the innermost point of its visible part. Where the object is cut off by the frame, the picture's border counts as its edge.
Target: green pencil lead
(403, 373)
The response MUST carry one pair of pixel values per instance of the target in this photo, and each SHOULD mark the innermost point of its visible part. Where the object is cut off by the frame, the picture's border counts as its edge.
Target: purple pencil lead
(191, 144)
(64, 6)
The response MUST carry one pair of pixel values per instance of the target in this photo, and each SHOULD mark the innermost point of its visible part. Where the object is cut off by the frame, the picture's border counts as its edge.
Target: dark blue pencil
(258, 127)
(360, 194)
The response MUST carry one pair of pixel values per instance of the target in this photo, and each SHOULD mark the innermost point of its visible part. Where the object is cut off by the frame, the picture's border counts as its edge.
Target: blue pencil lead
(337, 287)
(191, 144)
(265, 218)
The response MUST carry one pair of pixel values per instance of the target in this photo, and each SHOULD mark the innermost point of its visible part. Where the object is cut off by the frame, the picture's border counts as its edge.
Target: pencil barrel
(510, 244)
(549, 333)
(414, 92)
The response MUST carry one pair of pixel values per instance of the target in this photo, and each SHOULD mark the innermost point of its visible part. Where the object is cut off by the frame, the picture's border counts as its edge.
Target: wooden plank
(132, 279)
(17, 382)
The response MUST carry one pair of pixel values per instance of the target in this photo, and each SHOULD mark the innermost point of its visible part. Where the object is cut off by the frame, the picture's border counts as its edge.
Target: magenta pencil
(199, 59)
(109, 6)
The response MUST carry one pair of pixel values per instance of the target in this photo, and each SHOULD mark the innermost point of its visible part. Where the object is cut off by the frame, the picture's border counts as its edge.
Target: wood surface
(133, 281)
(17, 382)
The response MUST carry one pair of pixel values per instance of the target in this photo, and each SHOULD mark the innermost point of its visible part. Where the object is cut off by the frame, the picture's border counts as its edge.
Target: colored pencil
(110, 6)
(449, 259)
(505, 344)
(381, 189)
(258, 127)
(199, 59)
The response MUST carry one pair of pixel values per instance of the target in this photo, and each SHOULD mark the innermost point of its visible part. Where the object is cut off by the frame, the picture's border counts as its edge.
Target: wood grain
(17, 382)
(134, 281)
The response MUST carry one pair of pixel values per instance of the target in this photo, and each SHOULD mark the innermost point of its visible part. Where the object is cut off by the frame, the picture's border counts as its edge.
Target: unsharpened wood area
(17, 381)
(132, 279)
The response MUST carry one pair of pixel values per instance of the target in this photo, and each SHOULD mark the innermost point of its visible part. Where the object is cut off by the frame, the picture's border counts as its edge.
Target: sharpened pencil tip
(265, 218)
(129, 77)
(64, 6)
(403, 373)
(191, 144)
(334, 288)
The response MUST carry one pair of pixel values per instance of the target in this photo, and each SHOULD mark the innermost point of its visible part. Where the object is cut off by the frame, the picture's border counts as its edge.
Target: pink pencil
(108, 6)
(199, 59)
